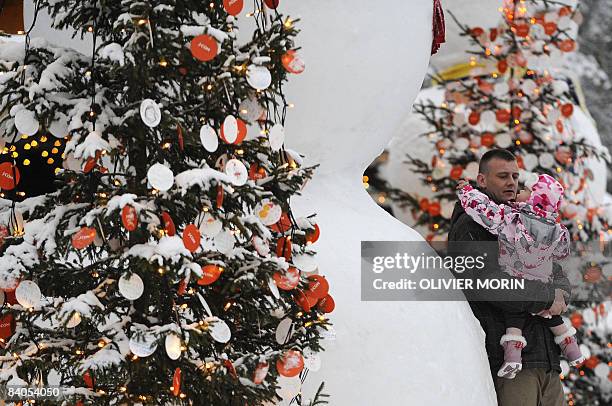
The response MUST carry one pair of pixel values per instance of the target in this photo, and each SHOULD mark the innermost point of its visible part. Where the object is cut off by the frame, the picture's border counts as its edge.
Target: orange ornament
(129, 217)
(493, 34)
(567, 109)
(233, 7)
(434, 209)
(90, 164)
(317, 287)
(256, 172)
(577, 320)
(327, 304)
(516, 112)
(182, 288)
(522, 30)
(9, 176)
(292, 62)
(283, 247)
(591, 362)
(487, 140)
(176, 382)
(272, 3)
(303, 300)
(191, 238)
(287, 280)
(313, 236)
(83, 238)
(474, 118)
(502, 115)
(290, 364)
(567, 45)
(168, 224)
(424, 204)
(456, 172)
(550, 28)
(204, 48)
(476, 32)
(520, 162)
(565, 11)
(210, 274)
(502, 66)
(220, 195)
(88, 379)
(559, 126)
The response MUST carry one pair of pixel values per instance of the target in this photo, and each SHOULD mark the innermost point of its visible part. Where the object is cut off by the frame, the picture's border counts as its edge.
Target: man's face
(501, 180)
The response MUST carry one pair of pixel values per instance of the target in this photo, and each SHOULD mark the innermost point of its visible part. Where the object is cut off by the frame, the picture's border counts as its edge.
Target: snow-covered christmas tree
(166, 266)
(514, 98)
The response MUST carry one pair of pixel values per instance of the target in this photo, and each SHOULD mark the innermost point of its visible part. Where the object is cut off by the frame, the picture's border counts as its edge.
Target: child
(529, 240)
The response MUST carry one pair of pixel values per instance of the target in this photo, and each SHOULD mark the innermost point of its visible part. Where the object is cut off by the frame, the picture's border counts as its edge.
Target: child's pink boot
(513, 345)
(569, 347)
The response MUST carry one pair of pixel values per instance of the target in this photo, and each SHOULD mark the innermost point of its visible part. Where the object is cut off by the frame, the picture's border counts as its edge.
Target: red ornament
(182, 288)
(565, 11)
(577, 320)
(313, 236)
(284, 224)
(9, 176)
(210, 274)
(567, 45)
(303, 300)
(287, 280)
(204, 48)
(317, 287)
(256, 172)
(219, 201)
(283, 248)
(292, 62)
(129, 217)
(88, 379)
(230, 367)
(493, 34)
(502, 115)
(7, 326)
(456, 172)
(83, 238)
(191, 238)
(474, 118)
(272, 3)
(434, 209)
(591, 362)
(522, 30)
(476, 32)
(290, 364)
(327, 304)
(559, 126)
(516, 112)
(520, 162)
(168, 224)
(502, 66)
(424, 204)
(176, 382)
(567, 109)
(487, 140)
(90, 164)
(233, 7)
(550, 27)
(179, 134)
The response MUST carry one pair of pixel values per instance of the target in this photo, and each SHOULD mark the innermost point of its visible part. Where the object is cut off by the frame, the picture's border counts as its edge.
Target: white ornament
(208, 138)
(250, 109)
(501, 89)
(530, 161)
(488, 120)
(26, 122)
(461, 144)
(230, 129)
(160, 177)
(173, 346)
(284, 331)
(236, 170)
(224, 242)
(274, 289)
(276, 137)
(528, 87)
(546, 160)
(531, 178)
(471, 171)
(150, 113)
(258, 77)
(560, 87)
(209, 225)
(459, 119)
(589, 316)
(131, 287)
(28, 294)
(59, 127)
(503, 140)
(268, 212)
(305, 263)
(584, 349)
(220, 331)
(143, 345)
(602, 370)
(288, 387)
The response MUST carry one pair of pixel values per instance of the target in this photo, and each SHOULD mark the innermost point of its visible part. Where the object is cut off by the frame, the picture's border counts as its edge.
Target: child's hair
(546, 194)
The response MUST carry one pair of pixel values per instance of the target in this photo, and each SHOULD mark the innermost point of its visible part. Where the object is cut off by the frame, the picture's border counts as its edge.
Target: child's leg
(513, 343)
(566, 339)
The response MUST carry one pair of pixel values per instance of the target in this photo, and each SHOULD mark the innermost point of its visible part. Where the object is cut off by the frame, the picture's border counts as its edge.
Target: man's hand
(558, 305)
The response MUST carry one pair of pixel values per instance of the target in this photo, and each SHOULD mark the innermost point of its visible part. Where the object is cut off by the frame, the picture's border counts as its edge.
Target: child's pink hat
(547, 194)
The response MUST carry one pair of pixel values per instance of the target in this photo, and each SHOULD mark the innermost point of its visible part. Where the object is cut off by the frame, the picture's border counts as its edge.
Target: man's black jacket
(541, 350)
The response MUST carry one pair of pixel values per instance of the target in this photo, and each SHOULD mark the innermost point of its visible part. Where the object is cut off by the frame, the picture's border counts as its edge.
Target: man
(538, 383)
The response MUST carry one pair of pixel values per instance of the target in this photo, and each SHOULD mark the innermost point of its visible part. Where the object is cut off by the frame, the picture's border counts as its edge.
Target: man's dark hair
(504, 154)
